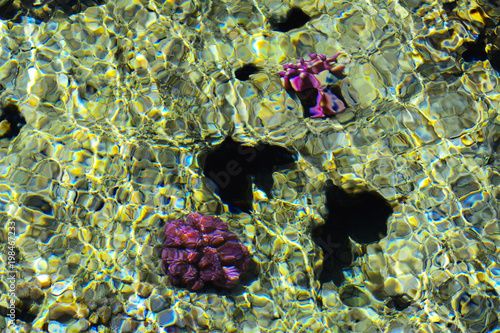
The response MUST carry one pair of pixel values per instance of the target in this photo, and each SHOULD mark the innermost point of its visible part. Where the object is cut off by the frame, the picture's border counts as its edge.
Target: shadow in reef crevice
(231, 168)
(11, 120)
(243, 73)
(295, 18)
(361, 217)
(45, 10)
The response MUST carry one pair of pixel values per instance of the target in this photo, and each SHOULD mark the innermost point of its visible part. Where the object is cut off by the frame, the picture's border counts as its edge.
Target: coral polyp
(200, 250)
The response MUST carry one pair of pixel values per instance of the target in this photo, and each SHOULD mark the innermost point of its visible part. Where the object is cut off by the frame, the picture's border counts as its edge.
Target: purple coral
(200, 249)
(309, 79)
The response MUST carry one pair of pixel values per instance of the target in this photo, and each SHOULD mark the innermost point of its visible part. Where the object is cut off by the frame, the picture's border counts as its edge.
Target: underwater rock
(200, 249)
(101, 302)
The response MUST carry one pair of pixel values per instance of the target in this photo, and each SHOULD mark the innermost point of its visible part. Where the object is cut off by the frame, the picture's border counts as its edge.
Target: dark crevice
(243, 73)
(231, 168)
(309, 98)
(449, 6)
(335, 89)
(361, 217)
(295, 18)
(494, 58)
(14, 10)
(37, 202)
(11, 121)
(487, 44)
(10, 11)
(476, 50)
(30, 299)
(399, 302)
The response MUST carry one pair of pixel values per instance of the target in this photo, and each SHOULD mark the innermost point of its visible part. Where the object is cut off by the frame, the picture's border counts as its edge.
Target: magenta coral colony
(200, 249)
(310, 79)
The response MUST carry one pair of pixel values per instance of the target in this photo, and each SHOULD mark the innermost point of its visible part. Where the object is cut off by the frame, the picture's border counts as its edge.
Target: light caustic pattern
(121, 99)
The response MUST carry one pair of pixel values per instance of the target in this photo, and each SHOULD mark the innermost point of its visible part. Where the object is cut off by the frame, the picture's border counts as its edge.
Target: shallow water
(124, 100)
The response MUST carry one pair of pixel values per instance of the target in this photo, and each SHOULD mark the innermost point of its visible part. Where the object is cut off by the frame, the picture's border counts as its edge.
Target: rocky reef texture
(120, 99)
(200, 249)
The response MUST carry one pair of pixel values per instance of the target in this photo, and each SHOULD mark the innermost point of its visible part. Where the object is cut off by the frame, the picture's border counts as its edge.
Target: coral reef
(310, 79)
(200, 249)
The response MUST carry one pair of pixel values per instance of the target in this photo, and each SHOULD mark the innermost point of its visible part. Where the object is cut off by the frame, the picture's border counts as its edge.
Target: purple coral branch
(305, 77)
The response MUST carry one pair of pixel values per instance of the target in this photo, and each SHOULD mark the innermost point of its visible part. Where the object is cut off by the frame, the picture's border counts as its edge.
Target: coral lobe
(200, 249)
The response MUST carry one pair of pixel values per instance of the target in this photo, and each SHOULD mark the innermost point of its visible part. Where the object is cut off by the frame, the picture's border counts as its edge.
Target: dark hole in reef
(67, 7)
(487, 44)
(308, 98)
(11, 121)
(36, 202)
(399, 302)
(24, 316)
(23, 312)
(232, 168)
(359, 216)
(31, 298)
(14, 10)
(295, 18)
(494, 58)
(9, 11)
(244, 72)
(449, 6)
(338, 92)
(476, 50)
(90, 89)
